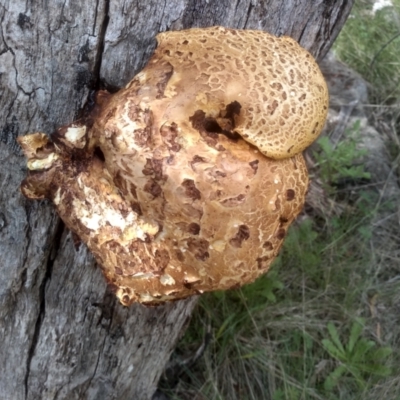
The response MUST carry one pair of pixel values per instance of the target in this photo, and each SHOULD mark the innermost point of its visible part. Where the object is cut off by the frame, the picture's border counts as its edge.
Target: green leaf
(383, 352)
(335, 337)
(375, 369)
(355, 333)
(332, 379)
(326, 145)
(356, 372)
(333, 350)
(362, 347)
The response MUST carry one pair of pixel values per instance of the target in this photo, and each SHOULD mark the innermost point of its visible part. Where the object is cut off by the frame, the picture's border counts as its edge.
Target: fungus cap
(281, 90)
(159, 182)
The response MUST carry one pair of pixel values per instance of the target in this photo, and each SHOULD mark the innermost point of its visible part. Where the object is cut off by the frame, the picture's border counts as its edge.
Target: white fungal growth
(167, 280)
(43, 163)
(75, 134)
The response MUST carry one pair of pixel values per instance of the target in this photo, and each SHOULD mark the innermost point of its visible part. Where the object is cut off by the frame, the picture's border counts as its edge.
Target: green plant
(359, 358)
(262, 290)
(370, 43)
(336, 163)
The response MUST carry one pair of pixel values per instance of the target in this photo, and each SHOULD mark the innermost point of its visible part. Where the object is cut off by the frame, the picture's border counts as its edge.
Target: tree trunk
(63, 335)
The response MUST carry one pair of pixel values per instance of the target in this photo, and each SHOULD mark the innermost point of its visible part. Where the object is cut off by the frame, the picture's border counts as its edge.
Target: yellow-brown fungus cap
(159, 181)
(279, 85)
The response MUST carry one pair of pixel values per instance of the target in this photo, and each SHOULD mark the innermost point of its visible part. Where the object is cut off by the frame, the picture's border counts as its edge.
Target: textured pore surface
(158, 181)
(282, 93)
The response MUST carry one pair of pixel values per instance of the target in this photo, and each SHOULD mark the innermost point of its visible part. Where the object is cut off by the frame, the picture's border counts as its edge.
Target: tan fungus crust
(158, 181)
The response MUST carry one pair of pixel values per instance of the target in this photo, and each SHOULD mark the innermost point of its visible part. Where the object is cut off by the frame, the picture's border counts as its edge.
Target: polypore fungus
(187, 179)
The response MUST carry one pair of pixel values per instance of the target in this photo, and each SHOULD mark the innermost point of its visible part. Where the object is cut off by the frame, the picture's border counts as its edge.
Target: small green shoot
(343, 161)
(359, 358)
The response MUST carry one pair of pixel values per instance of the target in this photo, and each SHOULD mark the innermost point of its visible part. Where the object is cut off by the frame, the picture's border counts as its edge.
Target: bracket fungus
(187, 179)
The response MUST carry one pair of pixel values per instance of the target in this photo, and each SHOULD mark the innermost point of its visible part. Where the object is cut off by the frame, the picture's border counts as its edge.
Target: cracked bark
(63, 336)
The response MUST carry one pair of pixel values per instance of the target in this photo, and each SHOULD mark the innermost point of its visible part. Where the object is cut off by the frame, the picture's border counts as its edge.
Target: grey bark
(62, 334)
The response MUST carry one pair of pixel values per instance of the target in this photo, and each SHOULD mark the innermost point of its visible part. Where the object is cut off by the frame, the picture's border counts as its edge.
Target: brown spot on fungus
(281, 233)
(153, 188)
(199, 247)
(290, 193)
(234, 201)
(268, 245)
(254, 165)
(263, 262)
(190, 189)
(193, 228)
(242, 234)
(179, 255)
(162, 258)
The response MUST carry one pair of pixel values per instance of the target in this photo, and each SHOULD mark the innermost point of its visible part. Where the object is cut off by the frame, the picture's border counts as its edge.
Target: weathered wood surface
(62, 335)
